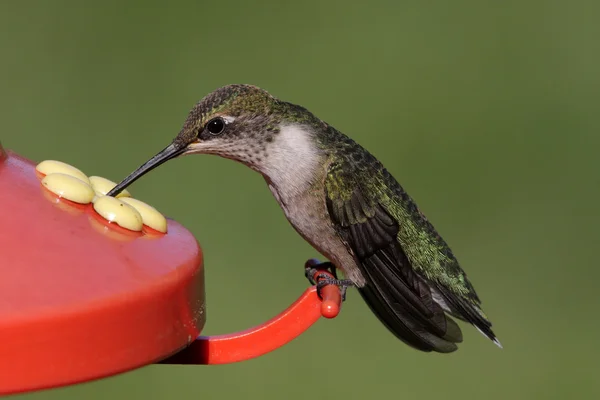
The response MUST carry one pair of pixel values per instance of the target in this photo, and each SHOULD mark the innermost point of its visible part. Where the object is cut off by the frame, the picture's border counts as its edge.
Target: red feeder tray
(82, 299)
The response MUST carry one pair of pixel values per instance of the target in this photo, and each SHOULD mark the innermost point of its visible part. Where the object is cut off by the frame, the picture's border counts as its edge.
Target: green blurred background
(487, 112)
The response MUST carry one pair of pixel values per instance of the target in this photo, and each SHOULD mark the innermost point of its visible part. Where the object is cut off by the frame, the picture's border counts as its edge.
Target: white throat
(292, 163)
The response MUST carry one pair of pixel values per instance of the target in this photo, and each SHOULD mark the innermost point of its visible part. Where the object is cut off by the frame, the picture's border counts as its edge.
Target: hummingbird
(346, 204)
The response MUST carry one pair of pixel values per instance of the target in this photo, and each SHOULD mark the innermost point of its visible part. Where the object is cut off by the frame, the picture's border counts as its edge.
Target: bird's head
(240, 122)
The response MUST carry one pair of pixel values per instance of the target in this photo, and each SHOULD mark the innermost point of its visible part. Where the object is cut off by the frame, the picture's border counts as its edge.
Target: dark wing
(399, 297)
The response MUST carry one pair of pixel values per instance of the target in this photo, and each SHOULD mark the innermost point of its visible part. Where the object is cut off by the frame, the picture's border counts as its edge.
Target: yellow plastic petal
(102, 186)
(150, 216)
(69, 187)
(58, 167)
(114, 210)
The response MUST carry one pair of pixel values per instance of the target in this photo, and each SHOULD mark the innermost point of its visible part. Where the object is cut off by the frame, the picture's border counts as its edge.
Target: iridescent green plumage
(412, 276)
(355, 169)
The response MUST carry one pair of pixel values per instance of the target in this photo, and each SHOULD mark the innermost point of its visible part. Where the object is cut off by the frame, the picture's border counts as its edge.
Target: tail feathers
(469, 312)
(407, 329)
(423, 326)
(493, 338)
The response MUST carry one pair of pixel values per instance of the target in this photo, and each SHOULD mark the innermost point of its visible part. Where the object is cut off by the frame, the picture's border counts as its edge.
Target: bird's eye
(216, 126)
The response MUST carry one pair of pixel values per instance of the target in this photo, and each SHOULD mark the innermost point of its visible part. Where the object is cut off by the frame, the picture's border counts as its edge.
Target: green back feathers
(354, 168)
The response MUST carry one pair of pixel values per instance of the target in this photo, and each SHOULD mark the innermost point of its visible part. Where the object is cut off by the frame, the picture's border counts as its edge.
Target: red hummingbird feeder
(82, 298)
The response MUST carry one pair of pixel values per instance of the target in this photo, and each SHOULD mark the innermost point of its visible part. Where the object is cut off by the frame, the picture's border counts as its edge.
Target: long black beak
(163, 156)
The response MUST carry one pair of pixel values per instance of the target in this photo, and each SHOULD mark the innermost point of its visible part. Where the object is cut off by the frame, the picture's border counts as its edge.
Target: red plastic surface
(242, 346)
(80, 299)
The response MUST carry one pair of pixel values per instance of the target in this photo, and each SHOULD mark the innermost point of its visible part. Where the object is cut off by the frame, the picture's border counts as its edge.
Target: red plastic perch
(264, 338)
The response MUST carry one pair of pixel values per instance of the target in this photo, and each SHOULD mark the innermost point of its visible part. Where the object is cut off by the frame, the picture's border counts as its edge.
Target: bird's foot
(343, 284)
(324, 269)
(323, 274)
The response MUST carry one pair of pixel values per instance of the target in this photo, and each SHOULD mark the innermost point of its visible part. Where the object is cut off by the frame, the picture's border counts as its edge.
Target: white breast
(293, 161)
(294, 171)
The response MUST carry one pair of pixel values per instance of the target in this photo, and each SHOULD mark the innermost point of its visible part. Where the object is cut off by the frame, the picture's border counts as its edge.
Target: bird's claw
(323, 274)
(313, 266)
(343, 284)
